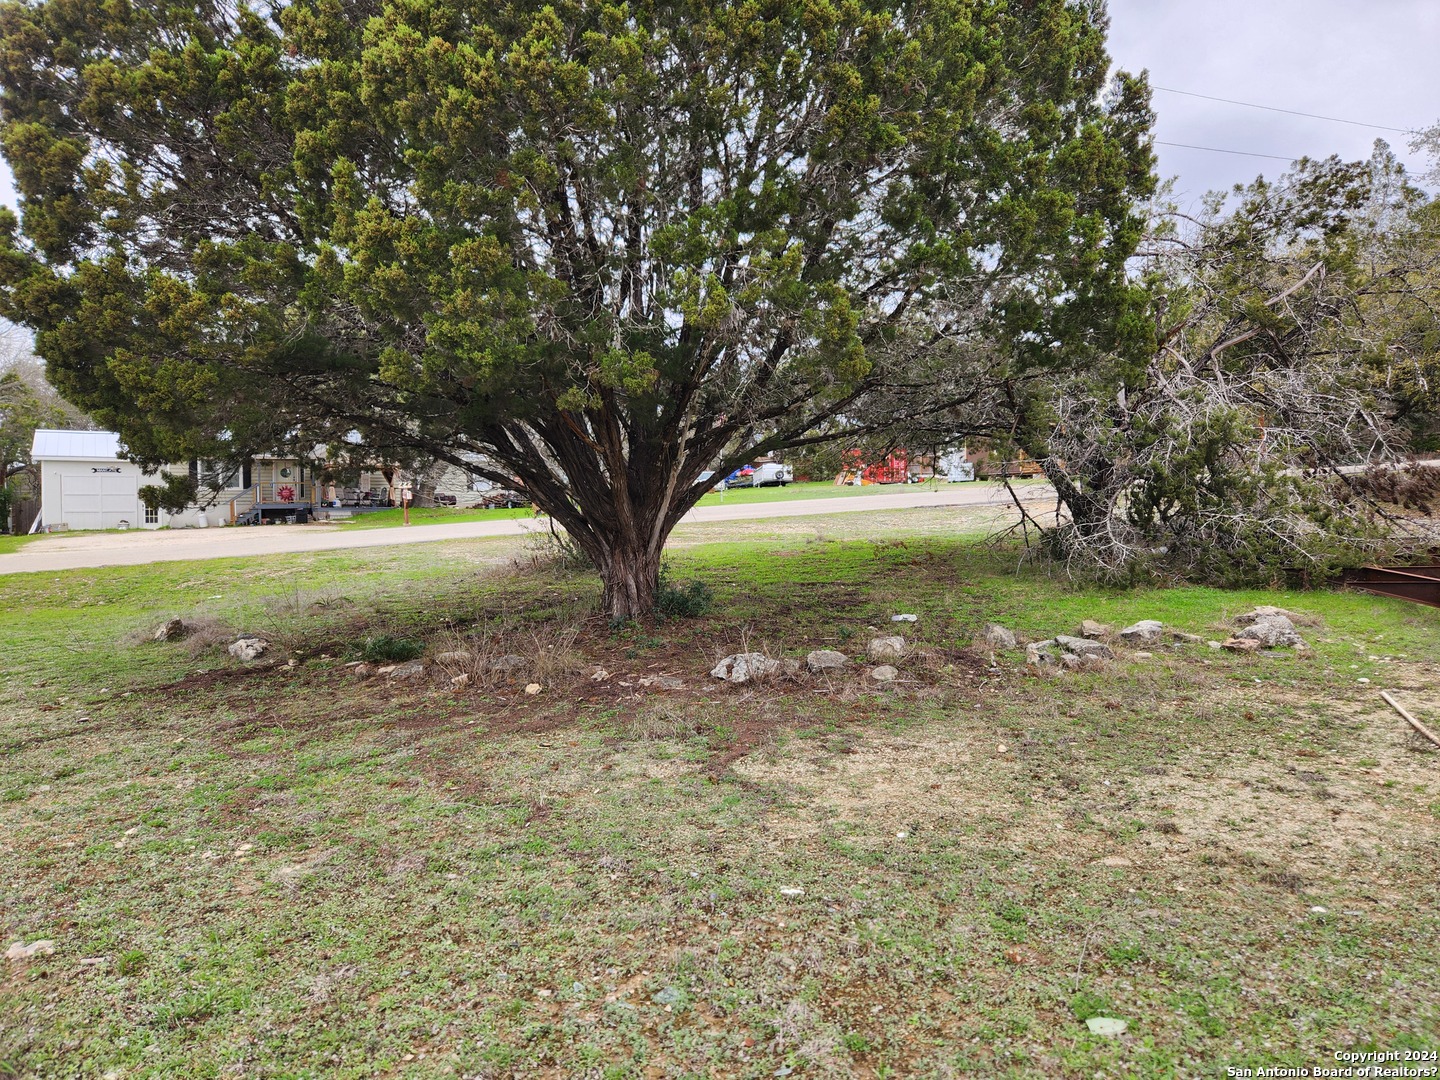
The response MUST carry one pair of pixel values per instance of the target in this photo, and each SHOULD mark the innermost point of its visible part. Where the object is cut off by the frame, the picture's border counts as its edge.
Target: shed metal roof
(56, 445)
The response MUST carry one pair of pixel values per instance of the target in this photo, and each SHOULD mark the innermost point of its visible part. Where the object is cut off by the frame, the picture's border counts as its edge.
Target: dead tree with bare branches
(1228, 454)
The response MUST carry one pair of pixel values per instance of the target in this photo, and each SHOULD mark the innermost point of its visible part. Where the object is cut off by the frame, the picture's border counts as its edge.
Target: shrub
(688, 601)
(387, 649)
(173, 494)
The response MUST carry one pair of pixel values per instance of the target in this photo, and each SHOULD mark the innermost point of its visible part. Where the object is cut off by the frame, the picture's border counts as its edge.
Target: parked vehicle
(772, 474)
(741, 477)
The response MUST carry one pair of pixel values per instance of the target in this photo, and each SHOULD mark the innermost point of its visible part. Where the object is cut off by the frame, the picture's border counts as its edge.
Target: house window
(217, 477)
(152, 515)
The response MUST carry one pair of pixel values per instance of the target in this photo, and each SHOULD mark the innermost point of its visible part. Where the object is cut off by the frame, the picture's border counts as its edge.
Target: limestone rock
(1144, 632)
(1272, 631)
(998, 637)
(1042, 653)
(1239, 644)
(884, 673)
(455, 658)
(742, 667)
(1182, 638)
(1089, 628)
(411, 669)
(362, 670)
(459, 682)
(503, 665)
(249, 649)
(172, 630)
(821, 661)
(886, 648)
(20, 951)
(1079, 646)
(1266, 611)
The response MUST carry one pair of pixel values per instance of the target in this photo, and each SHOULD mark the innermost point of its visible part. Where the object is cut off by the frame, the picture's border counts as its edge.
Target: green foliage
(19, 417)
(388, 649)
(173, 494)
(1087, 1003)
(23, 408)
(817, 463)
(1216, 460)
(192, 1007)
(607, 247)
(130, 962)
(688, 601)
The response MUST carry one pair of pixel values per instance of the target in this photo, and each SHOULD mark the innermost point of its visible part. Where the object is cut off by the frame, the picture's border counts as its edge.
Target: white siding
(91, 494)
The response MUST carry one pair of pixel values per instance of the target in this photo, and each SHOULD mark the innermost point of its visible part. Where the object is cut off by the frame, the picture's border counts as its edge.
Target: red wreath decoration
(285, 493)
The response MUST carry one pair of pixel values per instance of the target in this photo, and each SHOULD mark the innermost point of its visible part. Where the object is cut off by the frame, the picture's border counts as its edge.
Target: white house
(85, 483)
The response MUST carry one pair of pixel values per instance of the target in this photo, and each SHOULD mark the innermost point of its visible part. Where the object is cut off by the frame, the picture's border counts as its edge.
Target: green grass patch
(639, 870)
(10, 543)
(431, 515)
(389, 649)
(825, 489)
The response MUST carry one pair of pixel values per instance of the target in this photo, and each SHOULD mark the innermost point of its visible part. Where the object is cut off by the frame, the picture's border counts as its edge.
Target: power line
(1218, 150)
(1291, 112)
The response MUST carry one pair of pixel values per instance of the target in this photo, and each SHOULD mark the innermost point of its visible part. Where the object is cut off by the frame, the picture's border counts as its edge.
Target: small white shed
(86, 484)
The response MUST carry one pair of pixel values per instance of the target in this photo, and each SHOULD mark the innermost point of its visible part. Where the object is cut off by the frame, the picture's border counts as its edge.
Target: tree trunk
(622, 531)
(1087, 513)
(632, 576)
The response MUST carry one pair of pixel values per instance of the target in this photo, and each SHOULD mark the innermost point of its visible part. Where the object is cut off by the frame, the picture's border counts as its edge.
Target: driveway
(78, 550)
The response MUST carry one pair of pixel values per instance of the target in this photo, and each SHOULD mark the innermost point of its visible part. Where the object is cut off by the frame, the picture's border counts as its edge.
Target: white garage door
(102, 500)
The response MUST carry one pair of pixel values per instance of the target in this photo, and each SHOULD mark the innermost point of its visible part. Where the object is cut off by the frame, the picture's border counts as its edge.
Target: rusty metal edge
(1418, 584)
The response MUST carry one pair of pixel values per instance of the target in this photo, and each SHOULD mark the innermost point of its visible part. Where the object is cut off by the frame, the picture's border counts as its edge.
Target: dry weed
(662, 721)
(513, 653)
(202, 633)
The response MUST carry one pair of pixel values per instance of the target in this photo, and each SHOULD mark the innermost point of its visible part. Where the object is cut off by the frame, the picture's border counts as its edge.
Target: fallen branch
(1421, 728)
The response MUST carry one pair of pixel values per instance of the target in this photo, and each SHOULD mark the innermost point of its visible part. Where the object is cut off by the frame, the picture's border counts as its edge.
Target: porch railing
(295, 493)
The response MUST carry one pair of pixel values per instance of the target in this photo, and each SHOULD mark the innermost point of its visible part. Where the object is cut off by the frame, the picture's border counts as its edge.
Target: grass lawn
(827, 490)
(439, 515)
(291, 870)
(431, 515)
(9, 543)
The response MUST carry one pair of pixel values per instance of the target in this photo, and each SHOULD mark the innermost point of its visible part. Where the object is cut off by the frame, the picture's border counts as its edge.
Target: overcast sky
(1372, 61)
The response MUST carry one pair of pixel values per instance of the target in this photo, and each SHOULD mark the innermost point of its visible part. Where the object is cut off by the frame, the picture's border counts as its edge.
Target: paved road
(70, 552)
